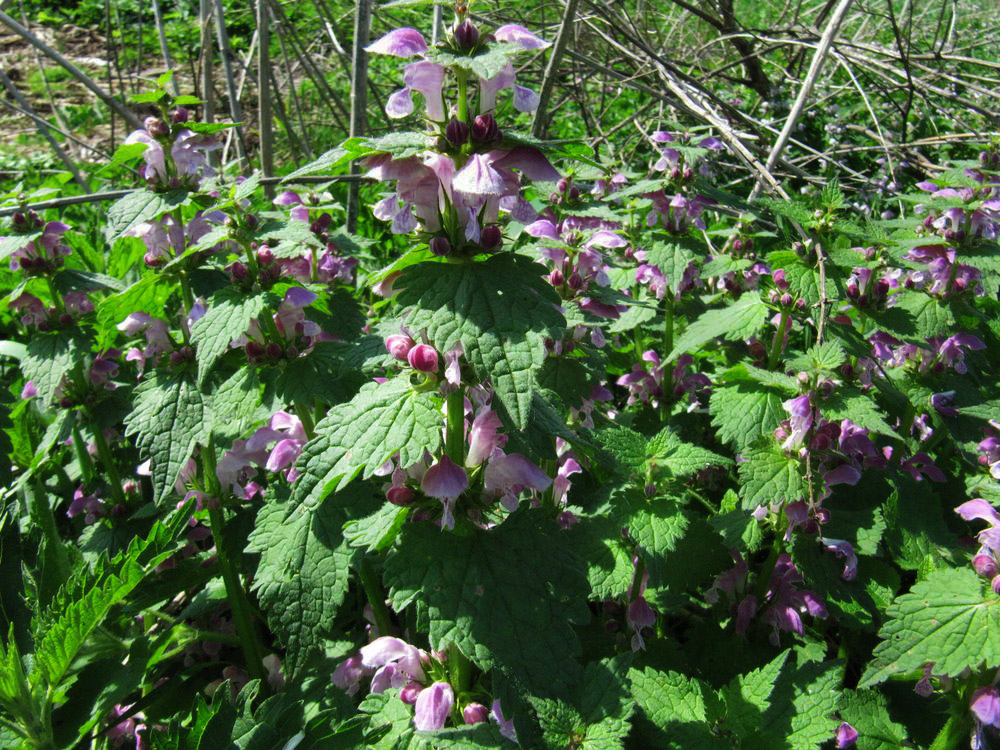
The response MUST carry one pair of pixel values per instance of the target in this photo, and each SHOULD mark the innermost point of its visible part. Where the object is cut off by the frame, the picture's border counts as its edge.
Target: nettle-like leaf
(680, 709)
(740, 320)
(85, 600)
(49, 358)
(485, 65)
(930, 316)
(140, 207)
(946, 619)
(507, 596)
(743, 414)
(866, 711)
(769, 476)
(673, 256)
(357, 437)
(664, 453)
(863, 411)
(168, 419)
(304, 569)
(499, 310)
(229, 314)
(780, 705)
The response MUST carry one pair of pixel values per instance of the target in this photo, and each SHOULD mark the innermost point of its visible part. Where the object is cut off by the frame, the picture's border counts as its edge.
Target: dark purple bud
(772, 296)
(475, 713)
(65, 319)
(556, 278)
(800, 304)
(863, 300)
(179, 115)
(456, 132)
(688, 173)
(485, 129)
(748, 243)
(737, 245)
(555, 198)
(254, 350)
(273, 350)
(440, 246)
(575, 281)
(820, 443)
(786, 299)
(826, 388)
(574, 194)
(251, 221)
(881, 288)
(187, 351)
(466, 35)
(399, 495)
(675, 172)
(238, 272)
(423, 358)
(66, 402)
(852, 290)
(562, 184)
(265, 257)
(292, 352)
(491, 237)
(779, 279)
(20, 221)
(985, 565)
(176, 358)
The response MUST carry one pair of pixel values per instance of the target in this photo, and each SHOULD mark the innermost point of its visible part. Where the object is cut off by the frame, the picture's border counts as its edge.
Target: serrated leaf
(667, 451)
(636, 314)
(930, 317)
(740, 320)
(139, 207)
(499, 310)
(235, 405)
(859, 409)
(866, 711)
(377, 531)
(383, 419)
(673, 258)
(507, 596)
(945, 619)
(567, 378)
(50, 357)
(147, 295)
(678, 706)
(168, 420)
(485, 65)
(821, 358)
(744, 414)
(769, 476)
(228, 317)
(10, 245)
(304, 571)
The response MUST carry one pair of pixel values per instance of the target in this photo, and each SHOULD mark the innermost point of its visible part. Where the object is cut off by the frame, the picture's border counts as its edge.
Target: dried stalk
(539, 125)
(164, 49)
(264, 94)
(74, 71)
(226, 53)
(359, 96)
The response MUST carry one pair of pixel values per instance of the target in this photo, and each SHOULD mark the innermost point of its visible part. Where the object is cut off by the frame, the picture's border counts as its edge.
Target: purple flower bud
(238, 272)
(485, 129)
(456, 132)
(562, 184)
(574, 194)
(985, 565)
(466, 35)
(846, 736)
(433, 706)
(410, 692)
(475, 713)
(179, 115)
(440, 246)
(491, 237)
(738, 246)
(423, 358)
(556, 278)
(265, 257)
(273, 350)
(401, 496)
(399, 346)
(786, 299)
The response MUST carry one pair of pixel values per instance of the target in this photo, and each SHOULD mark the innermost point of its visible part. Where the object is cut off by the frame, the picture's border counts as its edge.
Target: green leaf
(945, 619)
(304, 572)
(50, 357)
(228, 317)
(667, 451)
(567, 377)
(139, 207)
(168, 420)
(679, 707)
(377, 531)
(499, 310)
(383, 419)
(636, 314)
(235, 405)
(673, 258)
(507, 596)
(10, 245)
(147, 295)
(740, 320)
(859, 409)
(745, 414)
(822, 358)
(84, 602)
(866, 711)
(930, 316)
(769, 476)
(485, 65)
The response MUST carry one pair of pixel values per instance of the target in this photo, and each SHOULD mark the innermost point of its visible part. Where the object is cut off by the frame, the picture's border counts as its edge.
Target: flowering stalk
(779, 341)
(376, 598)
(104, 452)
(246, 625)
(455, 431)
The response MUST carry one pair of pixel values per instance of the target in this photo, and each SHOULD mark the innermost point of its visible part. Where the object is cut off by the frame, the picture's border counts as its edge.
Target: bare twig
(359, 96)
(539, 124)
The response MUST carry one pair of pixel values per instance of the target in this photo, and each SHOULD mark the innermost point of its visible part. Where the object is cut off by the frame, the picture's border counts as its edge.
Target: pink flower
(846, 736)
(508, 475)
(475, 713)
(521, 36)
(423, 358)
(404, 42)
(399, 346)
(483, 437)
(445, 481)
(985, 705)
(433, 706)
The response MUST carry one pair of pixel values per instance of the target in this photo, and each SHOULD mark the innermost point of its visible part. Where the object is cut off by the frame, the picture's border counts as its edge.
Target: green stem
(188, 299)
(376, 598)
(764, 577)
(779, 341)
(463, 95)
(459, 669)
(455, 435)
(41, 513)
(246, 626)
(82, 457)
(640, 571)
(56, 297)
(668, 324)
(104, 452)
(307, 421)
